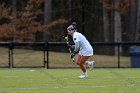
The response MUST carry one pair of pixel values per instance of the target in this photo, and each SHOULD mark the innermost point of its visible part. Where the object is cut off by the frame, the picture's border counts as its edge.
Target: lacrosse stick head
(66, 38)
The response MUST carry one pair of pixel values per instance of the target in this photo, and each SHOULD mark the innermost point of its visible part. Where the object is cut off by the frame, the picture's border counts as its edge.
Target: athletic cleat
(83, 75)
(91, 64)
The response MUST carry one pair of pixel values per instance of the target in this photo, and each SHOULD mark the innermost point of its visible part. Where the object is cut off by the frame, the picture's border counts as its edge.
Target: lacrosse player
(82, 49)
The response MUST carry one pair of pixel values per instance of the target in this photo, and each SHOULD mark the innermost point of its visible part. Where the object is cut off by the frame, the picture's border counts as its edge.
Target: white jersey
(85, 47)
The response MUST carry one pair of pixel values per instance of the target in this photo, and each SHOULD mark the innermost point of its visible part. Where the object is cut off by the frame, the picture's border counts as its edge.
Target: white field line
(102, 86)
(99, 86)
(1, 89)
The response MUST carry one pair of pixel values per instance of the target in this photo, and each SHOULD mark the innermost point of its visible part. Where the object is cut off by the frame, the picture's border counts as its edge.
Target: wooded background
(47, 20)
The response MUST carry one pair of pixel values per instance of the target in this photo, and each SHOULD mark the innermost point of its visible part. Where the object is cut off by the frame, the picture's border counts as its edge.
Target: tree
(138, 22)
(22, 25)
(117, 25)
(14, 10)
(132, 21)
(47, 16)
(105, 23)
(119, 8)
(5, 25)
(27, 23)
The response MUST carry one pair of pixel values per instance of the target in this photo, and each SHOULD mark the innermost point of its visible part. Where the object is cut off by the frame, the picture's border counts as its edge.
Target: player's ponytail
(74, 25)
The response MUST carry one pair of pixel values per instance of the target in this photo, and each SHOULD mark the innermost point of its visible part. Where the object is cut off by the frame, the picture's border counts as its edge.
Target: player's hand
(70, 46)
(73, 54)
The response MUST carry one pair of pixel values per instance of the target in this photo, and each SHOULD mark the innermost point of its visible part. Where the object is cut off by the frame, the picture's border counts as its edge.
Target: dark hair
(74, 25)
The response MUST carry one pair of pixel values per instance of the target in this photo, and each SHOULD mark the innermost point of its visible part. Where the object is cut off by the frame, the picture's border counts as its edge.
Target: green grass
(66, 81)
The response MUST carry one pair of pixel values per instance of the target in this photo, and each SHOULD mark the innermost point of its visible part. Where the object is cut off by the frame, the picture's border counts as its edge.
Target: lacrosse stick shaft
(66, 38)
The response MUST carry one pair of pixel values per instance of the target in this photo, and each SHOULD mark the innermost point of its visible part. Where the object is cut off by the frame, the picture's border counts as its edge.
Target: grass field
(124, 80)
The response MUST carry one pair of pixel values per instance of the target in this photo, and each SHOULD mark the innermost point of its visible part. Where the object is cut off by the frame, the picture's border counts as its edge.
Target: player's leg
(90, 64)
(78, 57)
(80, 60)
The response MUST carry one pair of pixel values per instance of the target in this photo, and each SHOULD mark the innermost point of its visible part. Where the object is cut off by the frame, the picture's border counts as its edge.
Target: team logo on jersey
(74, 38)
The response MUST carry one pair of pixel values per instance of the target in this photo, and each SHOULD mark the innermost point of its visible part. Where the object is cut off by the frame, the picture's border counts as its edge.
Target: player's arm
(77, 47)
(72, 46)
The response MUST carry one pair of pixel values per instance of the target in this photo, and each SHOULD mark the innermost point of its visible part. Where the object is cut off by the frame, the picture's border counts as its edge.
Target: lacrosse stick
(66, 39)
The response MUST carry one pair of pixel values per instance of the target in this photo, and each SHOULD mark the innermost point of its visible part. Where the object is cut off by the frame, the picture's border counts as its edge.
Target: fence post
(118, 55)
(10, 55)
(46, 65)
(47, 55)
(44, 53)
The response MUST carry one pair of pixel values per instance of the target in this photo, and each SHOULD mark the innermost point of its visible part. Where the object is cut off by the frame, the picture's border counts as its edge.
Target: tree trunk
(70, 8)
(47, 17)
(138, 21)
(132, 22)
(14, 10)
(105, 24)
(106, 28)
(117, 25)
